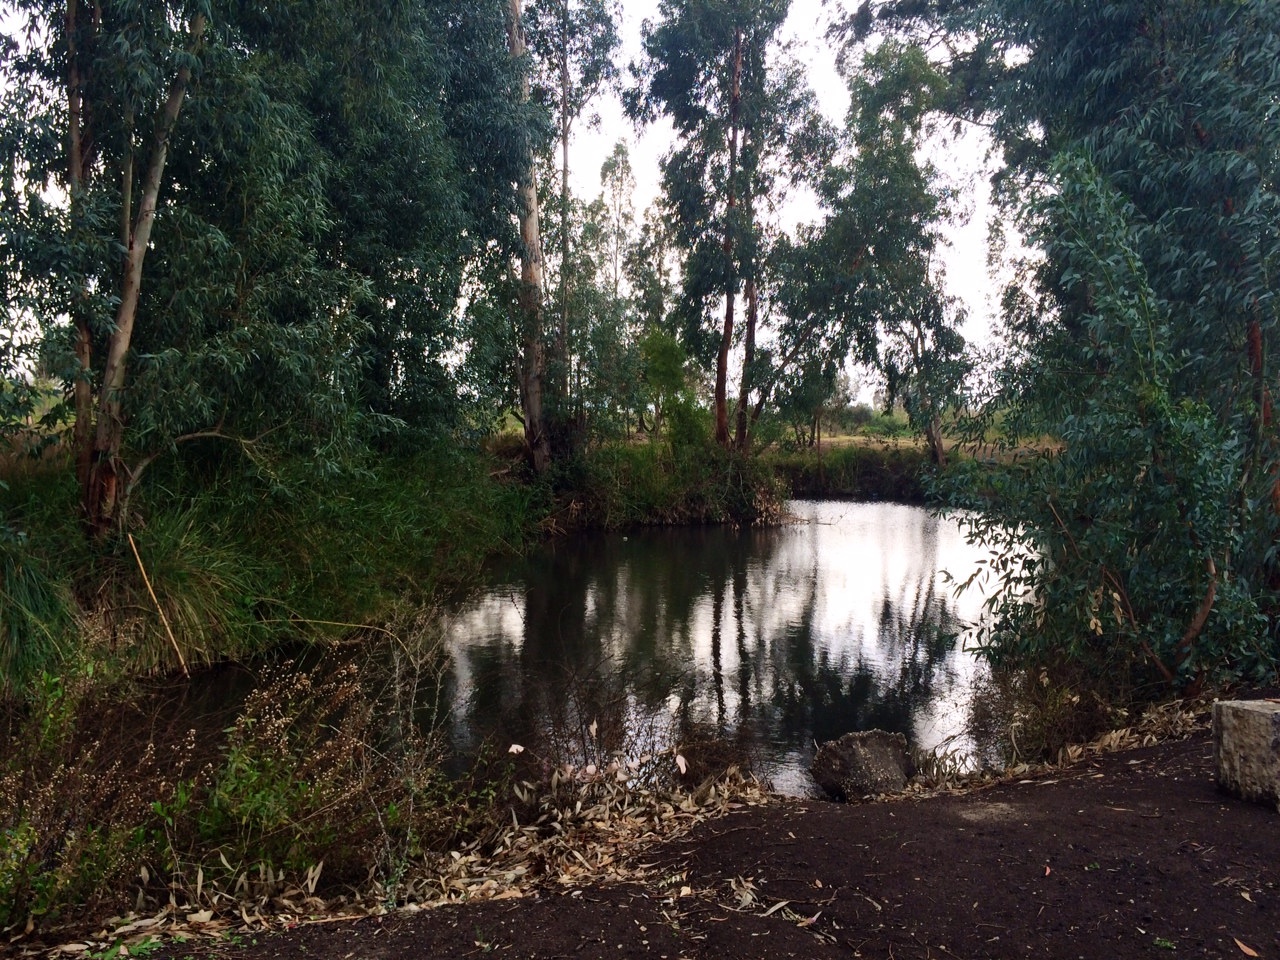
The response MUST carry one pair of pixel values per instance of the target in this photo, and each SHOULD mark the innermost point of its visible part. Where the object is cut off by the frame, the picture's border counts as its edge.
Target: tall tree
(533, 364)
(619, 183)
(872, 265)
(747, 127)
(1142, 156)
(118, 132)
(573, 44)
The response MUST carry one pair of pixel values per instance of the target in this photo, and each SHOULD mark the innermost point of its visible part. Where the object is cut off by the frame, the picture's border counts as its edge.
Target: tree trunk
(748, 360)
(533, 365)
(933, 433)
(726, 335)
(102, 503)
(79, 149)
(562, 335)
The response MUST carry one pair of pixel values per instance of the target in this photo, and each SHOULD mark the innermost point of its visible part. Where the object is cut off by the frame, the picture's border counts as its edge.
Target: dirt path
(1134, 855)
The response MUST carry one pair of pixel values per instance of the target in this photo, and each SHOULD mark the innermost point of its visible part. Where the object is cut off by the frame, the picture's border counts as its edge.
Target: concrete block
(1246, 748)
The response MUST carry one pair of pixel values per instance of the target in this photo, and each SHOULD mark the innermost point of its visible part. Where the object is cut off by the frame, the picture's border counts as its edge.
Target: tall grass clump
(37, 605)
(241, 562)
(35, 613)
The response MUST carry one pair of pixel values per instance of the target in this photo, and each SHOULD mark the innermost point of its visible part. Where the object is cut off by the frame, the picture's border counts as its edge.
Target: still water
(770, 640)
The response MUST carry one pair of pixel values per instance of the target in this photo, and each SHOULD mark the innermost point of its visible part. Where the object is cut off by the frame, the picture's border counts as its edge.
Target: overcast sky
(965, 260)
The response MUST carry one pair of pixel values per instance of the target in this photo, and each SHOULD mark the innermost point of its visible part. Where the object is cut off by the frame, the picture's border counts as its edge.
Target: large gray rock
(1246, 748)
(862, 764)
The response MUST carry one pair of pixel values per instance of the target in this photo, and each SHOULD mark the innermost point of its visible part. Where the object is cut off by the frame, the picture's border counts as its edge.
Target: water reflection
(777, 638)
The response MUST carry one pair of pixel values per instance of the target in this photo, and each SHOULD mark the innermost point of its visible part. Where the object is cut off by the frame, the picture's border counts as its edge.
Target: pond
(762, 641)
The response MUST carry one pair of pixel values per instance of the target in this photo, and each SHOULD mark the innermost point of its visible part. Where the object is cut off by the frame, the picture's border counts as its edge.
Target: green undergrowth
(244, 564)
(625, 485)
(855, 471)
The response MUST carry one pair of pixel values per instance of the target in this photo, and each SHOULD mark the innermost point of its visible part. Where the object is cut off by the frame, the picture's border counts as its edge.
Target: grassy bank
(245, 564)
(109, 803)
(856, 468)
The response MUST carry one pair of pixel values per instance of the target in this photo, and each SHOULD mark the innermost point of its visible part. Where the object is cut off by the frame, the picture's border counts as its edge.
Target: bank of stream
(369, 750)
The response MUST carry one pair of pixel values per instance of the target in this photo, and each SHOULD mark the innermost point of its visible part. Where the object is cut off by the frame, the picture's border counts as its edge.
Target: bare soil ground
(1133, 855)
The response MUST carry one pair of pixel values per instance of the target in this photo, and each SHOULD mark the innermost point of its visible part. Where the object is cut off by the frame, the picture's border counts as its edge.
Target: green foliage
(1116, 545)
(692, 481)
(573, 43)
(35, 613)
(332, 182)
(860, 472)
(864, 282)
(1142, 157)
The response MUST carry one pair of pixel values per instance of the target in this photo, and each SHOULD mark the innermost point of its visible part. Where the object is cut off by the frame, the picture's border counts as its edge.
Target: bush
(620, 485)
(895, 473)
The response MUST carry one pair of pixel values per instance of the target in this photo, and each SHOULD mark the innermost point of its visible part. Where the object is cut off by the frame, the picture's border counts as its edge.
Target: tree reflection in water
(777, 638)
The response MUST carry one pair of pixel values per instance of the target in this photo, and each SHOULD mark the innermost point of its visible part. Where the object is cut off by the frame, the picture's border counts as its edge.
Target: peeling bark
(533, 365)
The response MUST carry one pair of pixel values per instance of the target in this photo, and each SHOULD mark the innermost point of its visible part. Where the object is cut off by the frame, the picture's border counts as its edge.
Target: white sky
(965, 261)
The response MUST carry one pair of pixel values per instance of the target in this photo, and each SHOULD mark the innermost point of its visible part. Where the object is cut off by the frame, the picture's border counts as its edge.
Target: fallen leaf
(1245, 894)
(1247, 951)
(515, 748)
(1047, 871)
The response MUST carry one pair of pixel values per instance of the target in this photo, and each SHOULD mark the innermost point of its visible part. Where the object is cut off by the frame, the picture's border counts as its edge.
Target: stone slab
(1246, 748)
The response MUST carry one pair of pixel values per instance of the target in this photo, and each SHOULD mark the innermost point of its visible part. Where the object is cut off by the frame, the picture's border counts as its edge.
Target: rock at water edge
(1246, 748)
(862, 764)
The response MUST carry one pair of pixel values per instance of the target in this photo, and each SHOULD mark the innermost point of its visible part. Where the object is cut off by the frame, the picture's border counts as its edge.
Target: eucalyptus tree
(887, 209)
(602, 362)
(94, 95)
(1142, 151)
(652, 272)
(531, 299)
(572, 43)
(205, 213)
(618, 181)
(864, 283)
(747, 128)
